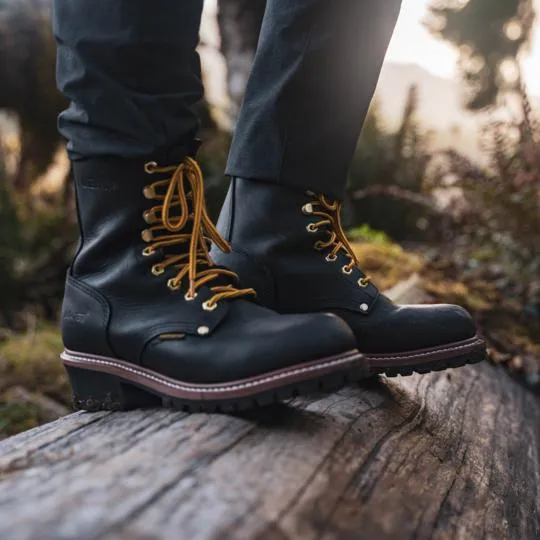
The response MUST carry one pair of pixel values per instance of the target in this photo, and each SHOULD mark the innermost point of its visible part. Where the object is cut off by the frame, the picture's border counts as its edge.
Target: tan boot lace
(167, 232)
(330, 212)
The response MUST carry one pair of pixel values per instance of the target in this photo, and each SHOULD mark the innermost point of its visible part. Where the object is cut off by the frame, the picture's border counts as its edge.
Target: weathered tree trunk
(239, 25)
(451, 455)
(27, 83)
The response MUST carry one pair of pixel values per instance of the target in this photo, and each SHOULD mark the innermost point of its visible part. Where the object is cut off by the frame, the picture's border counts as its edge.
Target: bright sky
(413, 44)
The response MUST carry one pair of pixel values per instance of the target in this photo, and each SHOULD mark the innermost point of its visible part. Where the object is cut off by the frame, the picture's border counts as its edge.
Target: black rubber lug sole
(97, 391)
(438, 365)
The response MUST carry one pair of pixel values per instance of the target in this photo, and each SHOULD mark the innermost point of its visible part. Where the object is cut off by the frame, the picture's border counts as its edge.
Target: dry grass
(512, 334)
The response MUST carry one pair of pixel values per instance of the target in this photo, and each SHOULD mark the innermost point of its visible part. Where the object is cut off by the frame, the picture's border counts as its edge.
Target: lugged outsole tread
(328, 383)
(449, 363)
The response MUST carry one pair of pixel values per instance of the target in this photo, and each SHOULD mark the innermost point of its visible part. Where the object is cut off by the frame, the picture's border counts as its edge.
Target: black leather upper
(273, 252)
(114, 306)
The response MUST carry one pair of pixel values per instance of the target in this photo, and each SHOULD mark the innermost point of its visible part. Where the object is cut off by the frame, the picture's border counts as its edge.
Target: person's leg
(315, 71)
(314, 75)
(147, 317)
(131, 72)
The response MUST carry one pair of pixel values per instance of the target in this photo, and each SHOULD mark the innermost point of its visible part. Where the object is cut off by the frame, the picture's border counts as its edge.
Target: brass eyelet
(319, 246)
(173, 286)
(311, 228)
(189, 298)
(330, 258)
(347, 270)
(207, 306)
(307, 209)
(147, 251)
(149, 192)
(362, 282)
(150, 167)
(157, 270)
(147, 235)
(149, 217)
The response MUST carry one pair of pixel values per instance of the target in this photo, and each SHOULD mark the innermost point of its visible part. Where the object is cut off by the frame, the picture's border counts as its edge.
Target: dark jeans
(131, 72)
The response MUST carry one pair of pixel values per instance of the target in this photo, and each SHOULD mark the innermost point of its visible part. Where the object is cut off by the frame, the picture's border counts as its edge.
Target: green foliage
(498, 227)
(32, 360)
(36, 242)
(386, 179)
(386, 263)
(17, 417)
(32, 379)
(487, 32)
(9, 240)
(47, 241)
(365, 233)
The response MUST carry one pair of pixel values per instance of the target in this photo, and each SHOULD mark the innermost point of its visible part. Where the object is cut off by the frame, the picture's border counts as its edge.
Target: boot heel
(96, 391)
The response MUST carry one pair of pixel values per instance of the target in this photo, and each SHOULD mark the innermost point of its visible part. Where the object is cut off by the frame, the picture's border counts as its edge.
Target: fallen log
(447, 455)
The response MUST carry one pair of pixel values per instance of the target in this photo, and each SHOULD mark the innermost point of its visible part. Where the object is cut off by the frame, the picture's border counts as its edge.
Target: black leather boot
(148, 319)
(290, 247)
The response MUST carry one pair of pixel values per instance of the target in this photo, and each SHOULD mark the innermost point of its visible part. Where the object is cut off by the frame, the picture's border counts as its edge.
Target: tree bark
(27, 83)
(451, 455)
(239, 24)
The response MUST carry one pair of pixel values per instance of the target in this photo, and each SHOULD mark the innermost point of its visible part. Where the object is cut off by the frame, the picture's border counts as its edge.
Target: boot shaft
(283, 238)
(110, 208)
(266, 216)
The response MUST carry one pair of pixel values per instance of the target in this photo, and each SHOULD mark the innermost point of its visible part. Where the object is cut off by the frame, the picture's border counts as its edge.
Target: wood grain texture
(452, 455)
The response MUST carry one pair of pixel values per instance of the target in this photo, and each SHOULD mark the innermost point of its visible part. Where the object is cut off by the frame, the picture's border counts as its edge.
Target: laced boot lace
(329, 221)
(169, 220)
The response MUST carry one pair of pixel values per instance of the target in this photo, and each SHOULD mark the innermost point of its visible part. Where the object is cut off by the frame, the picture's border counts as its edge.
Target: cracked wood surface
(447, 455)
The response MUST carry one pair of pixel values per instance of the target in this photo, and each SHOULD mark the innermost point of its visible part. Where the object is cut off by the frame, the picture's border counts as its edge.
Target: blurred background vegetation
(445, 181)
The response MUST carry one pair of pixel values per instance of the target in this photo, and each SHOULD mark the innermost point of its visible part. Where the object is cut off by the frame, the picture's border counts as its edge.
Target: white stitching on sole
(427, 353)
(208, 389)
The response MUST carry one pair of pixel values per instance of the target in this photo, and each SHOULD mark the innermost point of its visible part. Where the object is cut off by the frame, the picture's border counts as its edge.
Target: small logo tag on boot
(97, 185)
(75, 317)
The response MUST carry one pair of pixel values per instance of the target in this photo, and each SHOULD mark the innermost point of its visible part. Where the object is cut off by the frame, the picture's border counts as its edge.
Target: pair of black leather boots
(150, 318)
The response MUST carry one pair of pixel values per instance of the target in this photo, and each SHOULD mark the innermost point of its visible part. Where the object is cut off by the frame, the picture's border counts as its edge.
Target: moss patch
(387, 264)
(30, 361)
(17, 417)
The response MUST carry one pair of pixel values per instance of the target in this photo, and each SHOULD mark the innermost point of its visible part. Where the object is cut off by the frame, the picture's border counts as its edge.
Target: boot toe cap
(455, 323)
(438, 325)
(415, 327)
